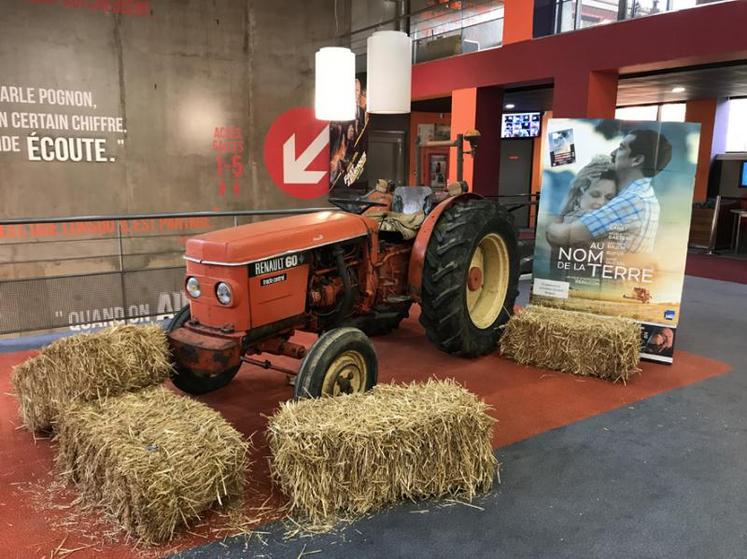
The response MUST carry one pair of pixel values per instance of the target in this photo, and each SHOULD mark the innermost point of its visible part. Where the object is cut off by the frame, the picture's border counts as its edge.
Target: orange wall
(415, 119)
(463, 116)
(704, 112)
(518, 20)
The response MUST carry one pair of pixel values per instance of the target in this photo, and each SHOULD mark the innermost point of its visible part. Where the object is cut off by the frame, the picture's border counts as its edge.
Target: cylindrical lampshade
(334, 97)
(389, 72)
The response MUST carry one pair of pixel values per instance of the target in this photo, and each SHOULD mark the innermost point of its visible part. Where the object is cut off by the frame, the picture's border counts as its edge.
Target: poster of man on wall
(614, 221)
(348, 142)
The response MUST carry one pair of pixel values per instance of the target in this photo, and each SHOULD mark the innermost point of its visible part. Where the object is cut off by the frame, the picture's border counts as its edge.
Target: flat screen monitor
(743, 182)
(521, 125)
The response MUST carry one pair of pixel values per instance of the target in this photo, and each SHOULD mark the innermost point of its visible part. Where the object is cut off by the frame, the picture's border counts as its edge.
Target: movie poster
(614, 220)
(437, 170)
(348, 143)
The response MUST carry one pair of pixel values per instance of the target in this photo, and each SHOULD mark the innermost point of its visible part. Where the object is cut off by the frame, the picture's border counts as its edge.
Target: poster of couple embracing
(614, 220)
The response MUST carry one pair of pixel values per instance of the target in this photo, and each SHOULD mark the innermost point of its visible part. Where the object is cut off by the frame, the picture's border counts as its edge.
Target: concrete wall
(180, 95)
(162, 78)
(173, 75)
(364, 13)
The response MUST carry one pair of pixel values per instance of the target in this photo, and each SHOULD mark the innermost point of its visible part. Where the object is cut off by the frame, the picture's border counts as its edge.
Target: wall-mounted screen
(521, 125)
(743, 182)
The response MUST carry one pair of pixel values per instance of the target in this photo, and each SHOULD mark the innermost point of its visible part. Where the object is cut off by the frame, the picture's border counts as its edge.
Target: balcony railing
(571, 15)
(440, 29)
(443, 28)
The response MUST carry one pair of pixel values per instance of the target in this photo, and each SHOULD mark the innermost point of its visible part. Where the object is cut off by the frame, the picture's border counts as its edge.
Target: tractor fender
(417, 256)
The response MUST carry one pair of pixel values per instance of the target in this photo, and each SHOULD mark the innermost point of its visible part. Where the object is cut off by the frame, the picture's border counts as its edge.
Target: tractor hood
(256, 241)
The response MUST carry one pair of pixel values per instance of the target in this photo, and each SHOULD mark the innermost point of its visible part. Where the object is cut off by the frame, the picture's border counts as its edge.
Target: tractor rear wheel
(191, 381)
(341, 361)
(470, 278)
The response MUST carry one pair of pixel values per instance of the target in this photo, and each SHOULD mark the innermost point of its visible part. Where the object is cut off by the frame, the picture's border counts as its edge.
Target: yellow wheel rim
(487, 283)
(346, 375)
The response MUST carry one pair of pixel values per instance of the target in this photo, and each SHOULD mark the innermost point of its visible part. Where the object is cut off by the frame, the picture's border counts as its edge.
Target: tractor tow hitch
(268, 365)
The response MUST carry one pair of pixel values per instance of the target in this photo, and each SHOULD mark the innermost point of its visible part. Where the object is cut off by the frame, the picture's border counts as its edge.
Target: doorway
(515, 175)
(386, 156)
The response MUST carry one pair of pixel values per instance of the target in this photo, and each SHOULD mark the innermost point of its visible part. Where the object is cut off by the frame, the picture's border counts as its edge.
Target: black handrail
(128, 217)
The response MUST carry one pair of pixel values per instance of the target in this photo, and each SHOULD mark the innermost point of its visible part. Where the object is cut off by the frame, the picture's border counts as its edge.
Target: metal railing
(470, 38)
(439, 31)
(531, 200)
(713, 233)
(174, 215)
(516, 202)
(88, 271)
(572, 15)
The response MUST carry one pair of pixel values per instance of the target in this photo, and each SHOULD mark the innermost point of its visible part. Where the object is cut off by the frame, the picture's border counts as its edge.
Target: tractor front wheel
(470, 278)
(190, 381)
(341, 361)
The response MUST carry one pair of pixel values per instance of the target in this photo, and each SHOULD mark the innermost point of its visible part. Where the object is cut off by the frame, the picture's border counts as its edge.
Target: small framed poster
(437, 170)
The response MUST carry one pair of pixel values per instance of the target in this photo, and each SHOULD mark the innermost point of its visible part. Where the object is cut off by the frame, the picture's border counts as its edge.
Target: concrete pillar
(478, 108)
(518, 20)
(585, 94)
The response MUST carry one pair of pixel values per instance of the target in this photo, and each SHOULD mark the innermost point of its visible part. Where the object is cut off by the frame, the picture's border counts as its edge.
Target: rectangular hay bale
(152, 460)
(89, 366)
(351, 454)
(573, 342)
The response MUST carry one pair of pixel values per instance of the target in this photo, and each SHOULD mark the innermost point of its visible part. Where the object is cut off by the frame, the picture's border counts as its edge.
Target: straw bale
(573, 342)
(152, 460)
(88, 366)
(348, 455)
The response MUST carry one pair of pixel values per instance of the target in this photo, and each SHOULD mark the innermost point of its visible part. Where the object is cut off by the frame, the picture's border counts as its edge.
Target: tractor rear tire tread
(444, 312)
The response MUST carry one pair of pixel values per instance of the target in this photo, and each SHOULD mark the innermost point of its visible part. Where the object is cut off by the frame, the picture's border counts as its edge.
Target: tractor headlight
(223, 293)
(193, 287)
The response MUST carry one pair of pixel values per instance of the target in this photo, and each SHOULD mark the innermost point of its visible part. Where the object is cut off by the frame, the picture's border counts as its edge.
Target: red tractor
(345, 275)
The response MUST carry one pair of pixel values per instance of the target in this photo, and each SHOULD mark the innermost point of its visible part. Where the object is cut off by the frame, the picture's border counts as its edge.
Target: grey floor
(665, 477)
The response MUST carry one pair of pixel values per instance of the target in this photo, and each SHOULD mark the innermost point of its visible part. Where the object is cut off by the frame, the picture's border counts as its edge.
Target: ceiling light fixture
(389, 73)
(334, 94)
(510, 106)
(678, 89)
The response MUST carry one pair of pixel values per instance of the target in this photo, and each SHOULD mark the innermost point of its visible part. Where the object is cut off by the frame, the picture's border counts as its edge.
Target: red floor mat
(525, 401)
(722, 268)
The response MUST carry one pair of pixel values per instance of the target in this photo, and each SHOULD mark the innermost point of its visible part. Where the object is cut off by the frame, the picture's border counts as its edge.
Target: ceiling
(724, 80)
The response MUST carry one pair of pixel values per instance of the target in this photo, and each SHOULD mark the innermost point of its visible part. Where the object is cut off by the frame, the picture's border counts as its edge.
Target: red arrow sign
(297, 153)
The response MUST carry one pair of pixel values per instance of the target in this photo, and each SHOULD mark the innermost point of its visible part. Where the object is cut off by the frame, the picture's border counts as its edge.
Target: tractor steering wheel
(356, 205)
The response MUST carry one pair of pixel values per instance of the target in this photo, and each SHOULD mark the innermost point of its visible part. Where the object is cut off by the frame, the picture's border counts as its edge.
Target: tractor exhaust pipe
(347, 297)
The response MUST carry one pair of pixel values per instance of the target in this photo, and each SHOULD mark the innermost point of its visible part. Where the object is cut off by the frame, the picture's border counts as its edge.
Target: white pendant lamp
(334, 96)
(389, 72)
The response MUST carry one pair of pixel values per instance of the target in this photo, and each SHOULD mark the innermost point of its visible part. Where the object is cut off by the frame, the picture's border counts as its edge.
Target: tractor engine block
(391, 273)
(326, 292)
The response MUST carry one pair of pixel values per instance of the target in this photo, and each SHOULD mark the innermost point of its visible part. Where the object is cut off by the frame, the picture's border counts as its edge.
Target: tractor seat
(410, 200)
